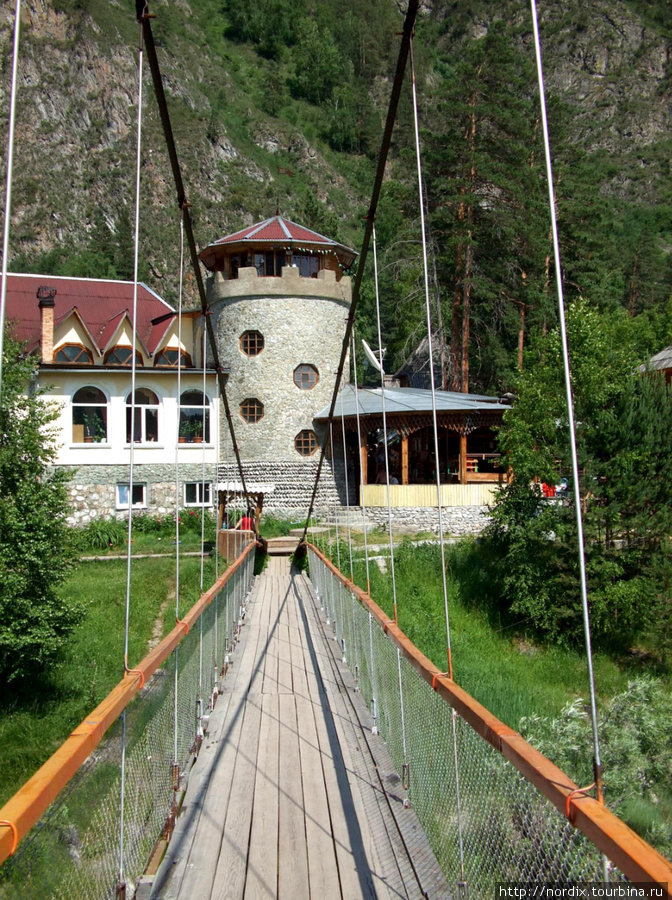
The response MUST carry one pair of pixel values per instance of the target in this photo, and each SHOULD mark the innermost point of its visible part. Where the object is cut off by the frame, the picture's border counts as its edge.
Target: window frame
(73, 362)
(184, 421)
(255, 419)
(141, 408)
(119, 504)
(94, 424)
(248, 335)
(312, 437)
(312, 368)
(117, 347)
(205, 486)
(186, 359)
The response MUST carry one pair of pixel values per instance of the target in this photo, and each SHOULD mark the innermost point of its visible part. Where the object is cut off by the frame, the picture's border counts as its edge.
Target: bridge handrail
(639, 861)
(31, 801)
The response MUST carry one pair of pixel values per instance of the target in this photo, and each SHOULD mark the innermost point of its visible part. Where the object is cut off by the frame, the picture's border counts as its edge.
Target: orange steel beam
(31, 801)
(637, 859)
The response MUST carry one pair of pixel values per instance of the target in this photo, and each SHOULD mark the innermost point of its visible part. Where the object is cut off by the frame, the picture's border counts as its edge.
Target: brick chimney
(46, 297)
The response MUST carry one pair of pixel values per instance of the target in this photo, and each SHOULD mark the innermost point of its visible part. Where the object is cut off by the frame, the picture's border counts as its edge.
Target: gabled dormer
(73, 343)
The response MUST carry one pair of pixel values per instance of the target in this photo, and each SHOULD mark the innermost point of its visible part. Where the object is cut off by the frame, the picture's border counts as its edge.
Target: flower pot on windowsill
(182, 439)
(88, 439)
(197, 440)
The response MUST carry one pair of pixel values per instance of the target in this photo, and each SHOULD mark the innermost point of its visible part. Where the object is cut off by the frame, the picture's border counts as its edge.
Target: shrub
(102, 534)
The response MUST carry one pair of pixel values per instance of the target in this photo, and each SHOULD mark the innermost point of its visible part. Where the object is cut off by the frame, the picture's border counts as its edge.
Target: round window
(251, 343)
(306, 442)
(305, 377)
(251, 410)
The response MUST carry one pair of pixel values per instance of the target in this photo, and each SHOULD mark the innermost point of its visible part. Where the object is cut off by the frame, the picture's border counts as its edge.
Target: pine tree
(486, 192)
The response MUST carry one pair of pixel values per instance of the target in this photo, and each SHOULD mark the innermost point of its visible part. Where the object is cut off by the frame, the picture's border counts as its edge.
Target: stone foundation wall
(457, 520)
(92, 491)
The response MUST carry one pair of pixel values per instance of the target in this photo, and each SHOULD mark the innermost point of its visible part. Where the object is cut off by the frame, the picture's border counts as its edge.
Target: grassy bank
(499, 665)
(35, 721)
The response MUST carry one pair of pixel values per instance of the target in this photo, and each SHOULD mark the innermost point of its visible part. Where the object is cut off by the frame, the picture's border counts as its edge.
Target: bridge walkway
(292, 796)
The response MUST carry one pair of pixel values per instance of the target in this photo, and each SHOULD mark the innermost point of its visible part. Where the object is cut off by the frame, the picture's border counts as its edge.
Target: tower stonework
(280, 337)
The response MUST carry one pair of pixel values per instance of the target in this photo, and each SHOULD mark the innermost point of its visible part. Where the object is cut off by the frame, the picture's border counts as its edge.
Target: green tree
(35, 549)
(625, 463)
(319, 65)
(486, 196)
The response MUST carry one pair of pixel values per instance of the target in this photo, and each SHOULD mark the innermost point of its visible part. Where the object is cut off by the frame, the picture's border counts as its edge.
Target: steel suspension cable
(333, 467)
(431, 358)
(177, 494)
(203, 460)
(199, 730)
(382, 396)
(436, 453)
(347, 490)
(145, 19)
(361, 467)
(409, 24)
(136, 245)
(9, 175)
(570, 407)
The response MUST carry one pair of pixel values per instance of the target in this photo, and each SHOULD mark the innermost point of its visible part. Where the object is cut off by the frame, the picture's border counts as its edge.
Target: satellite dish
(372, 358)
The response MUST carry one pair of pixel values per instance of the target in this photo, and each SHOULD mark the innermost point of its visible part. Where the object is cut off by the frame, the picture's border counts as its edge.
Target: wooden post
(463, 459)
(364, 457)
(404, 459)
(222, 508)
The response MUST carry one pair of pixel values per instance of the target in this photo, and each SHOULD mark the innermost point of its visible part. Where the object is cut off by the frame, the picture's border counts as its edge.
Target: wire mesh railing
(493, 808)
(73, 851)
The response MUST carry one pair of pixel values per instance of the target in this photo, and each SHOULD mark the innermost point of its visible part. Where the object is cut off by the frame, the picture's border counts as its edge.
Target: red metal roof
(101, 305)
(278, 230)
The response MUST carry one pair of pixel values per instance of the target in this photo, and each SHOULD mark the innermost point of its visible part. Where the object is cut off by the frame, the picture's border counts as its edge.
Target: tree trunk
(456, 313)
(439, 316)
(468, 255)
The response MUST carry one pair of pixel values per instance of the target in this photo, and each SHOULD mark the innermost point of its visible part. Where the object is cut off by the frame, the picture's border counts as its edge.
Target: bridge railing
(67, 817)
(494, 809)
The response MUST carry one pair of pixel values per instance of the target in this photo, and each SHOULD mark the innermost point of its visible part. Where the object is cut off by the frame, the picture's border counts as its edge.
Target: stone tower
(279, 301)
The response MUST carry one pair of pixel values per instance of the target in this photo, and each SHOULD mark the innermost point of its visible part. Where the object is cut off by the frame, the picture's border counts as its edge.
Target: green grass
(270, 527)
(501, 668)
(34, 723)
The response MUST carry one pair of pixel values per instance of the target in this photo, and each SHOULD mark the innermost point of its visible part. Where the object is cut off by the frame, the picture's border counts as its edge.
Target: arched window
(251, 343)
(169, 357)
(252, 410)
(306, 377)
(122, 356)
(89, 416)
(73, 354)
(146, 427)
(305, 442)
(194, 417)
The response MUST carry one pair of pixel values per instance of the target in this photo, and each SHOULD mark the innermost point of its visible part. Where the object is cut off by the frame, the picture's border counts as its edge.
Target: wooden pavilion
(468, 453)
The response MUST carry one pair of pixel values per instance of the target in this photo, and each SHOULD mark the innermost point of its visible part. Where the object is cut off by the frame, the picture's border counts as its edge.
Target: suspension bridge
(286, 738)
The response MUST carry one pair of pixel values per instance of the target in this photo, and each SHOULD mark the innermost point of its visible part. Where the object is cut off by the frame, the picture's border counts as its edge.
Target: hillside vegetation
(281, 107)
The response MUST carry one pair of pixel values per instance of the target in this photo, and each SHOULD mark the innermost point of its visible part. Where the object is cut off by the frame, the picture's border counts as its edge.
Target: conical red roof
(277, 232)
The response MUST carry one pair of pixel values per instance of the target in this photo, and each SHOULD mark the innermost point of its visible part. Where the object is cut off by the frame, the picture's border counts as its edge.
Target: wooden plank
(299, 677)
(345, 810)
(262, 864)
(285, 683)
(391, 869)
(292, 856)
(197, 865)
(260, 619)
(322, 865)
(229, 883)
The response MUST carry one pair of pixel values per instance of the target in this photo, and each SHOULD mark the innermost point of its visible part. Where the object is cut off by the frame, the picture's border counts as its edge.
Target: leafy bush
(101, 534)
(636, 749)
(35, 543)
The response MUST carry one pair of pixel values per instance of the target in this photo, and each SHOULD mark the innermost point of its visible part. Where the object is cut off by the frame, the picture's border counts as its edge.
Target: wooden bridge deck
(292, 796)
